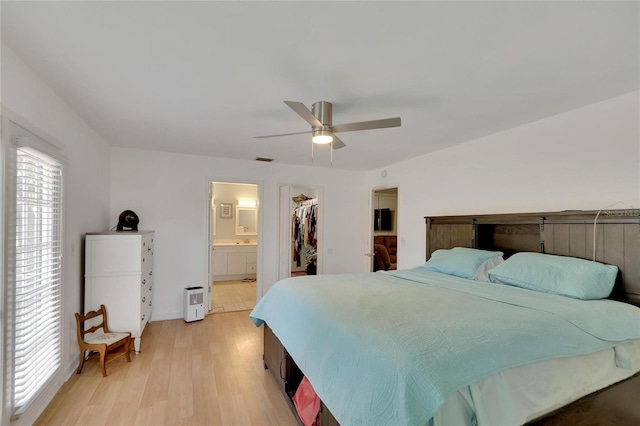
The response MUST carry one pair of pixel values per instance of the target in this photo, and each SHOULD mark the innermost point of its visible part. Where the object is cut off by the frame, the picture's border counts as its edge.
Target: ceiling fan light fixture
(322, 137)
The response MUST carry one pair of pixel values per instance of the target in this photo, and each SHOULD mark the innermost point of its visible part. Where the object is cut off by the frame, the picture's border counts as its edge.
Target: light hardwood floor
(208, 372)
(230, 296)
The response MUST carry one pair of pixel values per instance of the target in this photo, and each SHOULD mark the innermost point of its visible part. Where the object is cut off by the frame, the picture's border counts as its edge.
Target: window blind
(37, 286)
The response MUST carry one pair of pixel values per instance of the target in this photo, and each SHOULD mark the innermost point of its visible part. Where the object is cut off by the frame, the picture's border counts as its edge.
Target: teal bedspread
(388, 348)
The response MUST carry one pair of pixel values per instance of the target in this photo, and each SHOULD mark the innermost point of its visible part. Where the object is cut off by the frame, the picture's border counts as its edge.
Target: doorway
(233, 248)
(384, 229)
(300, 231)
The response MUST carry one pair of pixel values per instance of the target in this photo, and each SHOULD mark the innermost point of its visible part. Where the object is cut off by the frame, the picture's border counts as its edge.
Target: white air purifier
(193, 304)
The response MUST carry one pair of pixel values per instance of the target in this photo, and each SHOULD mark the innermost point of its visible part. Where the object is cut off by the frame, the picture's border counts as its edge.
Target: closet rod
(311, 202)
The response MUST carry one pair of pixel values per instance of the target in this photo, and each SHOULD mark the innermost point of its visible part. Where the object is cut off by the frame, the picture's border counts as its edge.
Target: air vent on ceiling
(266, 160)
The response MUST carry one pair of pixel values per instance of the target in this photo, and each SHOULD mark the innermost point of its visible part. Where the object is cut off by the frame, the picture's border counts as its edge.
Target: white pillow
(482, 274)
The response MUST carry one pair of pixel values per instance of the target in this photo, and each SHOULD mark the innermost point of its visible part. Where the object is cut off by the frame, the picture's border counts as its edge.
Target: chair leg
(103, 356)
(81, 364)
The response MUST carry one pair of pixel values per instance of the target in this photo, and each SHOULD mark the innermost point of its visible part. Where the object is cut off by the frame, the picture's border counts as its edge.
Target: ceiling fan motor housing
(323, 111)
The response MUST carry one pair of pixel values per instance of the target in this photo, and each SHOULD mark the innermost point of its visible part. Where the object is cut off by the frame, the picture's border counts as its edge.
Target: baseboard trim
(166, 316)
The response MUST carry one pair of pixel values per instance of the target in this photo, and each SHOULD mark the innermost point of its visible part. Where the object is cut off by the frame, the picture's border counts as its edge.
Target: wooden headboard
(566, 233)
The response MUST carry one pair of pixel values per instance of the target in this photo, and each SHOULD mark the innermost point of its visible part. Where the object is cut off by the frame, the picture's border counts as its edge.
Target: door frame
(374, 189)
(260, 236)
(284, 227)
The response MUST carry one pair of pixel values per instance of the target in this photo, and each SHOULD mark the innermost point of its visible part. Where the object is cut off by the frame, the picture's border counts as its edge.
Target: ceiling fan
(322, 127)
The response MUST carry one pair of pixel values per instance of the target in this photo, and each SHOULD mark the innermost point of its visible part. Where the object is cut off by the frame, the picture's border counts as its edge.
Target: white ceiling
(206, 77)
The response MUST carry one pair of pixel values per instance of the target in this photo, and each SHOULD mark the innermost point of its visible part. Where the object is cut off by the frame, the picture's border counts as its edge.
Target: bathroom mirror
(246, 221)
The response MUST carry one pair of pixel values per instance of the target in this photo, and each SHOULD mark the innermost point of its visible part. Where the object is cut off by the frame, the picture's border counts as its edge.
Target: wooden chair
(89, 340)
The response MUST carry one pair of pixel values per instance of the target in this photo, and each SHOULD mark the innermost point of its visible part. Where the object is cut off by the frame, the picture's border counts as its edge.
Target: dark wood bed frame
(567, 233)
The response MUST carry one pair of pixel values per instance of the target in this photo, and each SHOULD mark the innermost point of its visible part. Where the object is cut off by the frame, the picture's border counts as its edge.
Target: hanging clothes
(303, 232)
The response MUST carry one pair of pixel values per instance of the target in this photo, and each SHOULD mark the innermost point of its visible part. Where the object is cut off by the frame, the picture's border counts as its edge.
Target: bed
(466, 340)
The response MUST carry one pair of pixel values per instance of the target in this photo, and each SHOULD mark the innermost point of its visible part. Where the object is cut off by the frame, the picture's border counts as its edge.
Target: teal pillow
(459, 261)
(566, 276)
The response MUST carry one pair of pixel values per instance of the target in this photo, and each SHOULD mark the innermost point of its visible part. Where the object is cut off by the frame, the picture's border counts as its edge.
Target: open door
(212, 233)
(384, 229)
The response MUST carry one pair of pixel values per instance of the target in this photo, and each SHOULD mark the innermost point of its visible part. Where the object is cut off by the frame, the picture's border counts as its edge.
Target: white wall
(169, 193)
(86, 178)
(584, 159)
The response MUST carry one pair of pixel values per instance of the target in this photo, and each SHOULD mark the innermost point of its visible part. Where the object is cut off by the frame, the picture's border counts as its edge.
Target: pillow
(482, 274)
(566, 276)
(459, 261)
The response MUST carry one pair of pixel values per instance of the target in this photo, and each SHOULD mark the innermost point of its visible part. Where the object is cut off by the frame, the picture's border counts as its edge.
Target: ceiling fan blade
(337, 143)
(283, 134)
(304, 112)
(366, 125)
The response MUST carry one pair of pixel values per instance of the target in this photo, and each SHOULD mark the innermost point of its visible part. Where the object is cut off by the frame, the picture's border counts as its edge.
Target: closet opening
(304, 245)
(233, 253)
(300, 231)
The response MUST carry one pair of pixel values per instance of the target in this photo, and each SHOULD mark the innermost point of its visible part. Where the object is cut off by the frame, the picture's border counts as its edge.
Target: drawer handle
(149, 302)
(143, 315)
(150, 272)
(144, 299)
(150, 287)
(144, 281)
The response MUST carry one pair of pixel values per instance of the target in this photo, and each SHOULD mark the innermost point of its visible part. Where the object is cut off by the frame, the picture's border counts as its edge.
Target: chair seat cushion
(105, 338)
(381, 257)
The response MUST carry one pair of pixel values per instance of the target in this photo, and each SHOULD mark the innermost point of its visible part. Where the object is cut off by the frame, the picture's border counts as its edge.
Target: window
(33, 268)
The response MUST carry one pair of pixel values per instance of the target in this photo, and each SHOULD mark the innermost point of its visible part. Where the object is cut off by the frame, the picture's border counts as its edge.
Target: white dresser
(119, 275)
